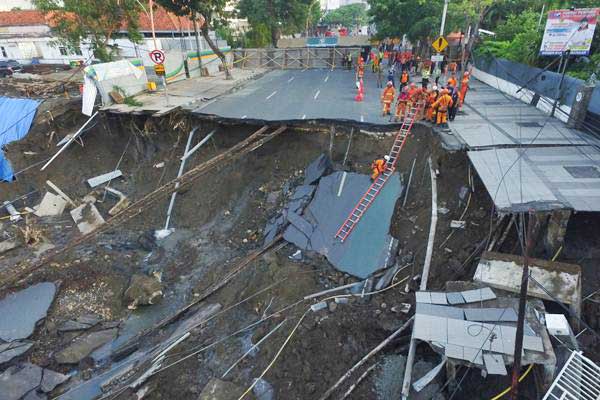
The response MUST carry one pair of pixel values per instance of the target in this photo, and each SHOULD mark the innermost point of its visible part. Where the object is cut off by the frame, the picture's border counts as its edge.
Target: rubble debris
(87, 217)
(494, 363)
(8, 351)
(84, 345)
(263, 390)
(8, 245)
(458, 224)
(142, 290)
(107, 177)
(60, 193)
(557, 325)
(319, 306)
(121, 204)
(299, 199)
(429, 377)
(51, 205)
(12, 211)
(217, 389)
(317, 168)
(387, 384)
(26, 308)
(81, 323)
(19, 380)
(386, 279)
(491, 314)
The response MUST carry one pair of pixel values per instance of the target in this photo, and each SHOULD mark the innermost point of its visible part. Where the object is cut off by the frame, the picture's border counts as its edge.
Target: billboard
(569, 30)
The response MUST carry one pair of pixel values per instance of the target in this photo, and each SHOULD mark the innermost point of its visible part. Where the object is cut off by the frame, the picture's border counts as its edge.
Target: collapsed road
(248, 290)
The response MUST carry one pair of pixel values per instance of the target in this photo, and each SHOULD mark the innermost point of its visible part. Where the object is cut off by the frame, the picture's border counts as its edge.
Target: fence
(294, 58)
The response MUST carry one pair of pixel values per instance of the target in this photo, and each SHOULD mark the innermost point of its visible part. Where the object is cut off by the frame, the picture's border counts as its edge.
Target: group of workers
(440, 104)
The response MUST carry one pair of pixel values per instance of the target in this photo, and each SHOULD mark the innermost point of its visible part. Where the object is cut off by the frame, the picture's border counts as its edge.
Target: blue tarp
(16, 116)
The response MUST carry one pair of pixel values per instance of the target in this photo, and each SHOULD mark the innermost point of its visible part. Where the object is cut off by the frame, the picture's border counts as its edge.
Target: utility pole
(444, 17)
(514, 387)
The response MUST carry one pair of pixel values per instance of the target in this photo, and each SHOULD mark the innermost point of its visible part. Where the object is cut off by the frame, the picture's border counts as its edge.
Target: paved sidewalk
(186, 93)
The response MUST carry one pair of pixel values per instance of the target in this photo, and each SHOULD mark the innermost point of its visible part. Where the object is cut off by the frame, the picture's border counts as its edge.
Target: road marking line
(317, 94)
(244, 116)
(342, 184)
(362, 118)
(326, 78)
(304, 69)
(291, 79)
(271, 95)
(304, 116)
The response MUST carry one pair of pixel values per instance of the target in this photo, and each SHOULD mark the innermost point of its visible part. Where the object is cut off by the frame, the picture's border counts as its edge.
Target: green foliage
(258, 36)
(97, 21)
(417, 19)
(281, 17)
(129, 100)
(348, 16)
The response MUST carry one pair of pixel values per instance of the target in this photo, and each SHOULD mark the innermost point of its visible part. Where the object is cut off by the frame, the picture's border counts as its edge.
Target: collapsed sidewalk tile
(26, 308)
(8, 351)
(87, 217)
(316, 169)
(51, 205)
(79, 324)
(17, 381)
(51, 379)
(83, 346)
(100, 179)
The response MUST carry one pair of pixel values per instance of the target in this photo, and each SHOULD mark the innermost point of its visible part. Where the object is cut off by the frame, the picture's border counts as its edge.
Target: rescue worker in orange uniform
(432, 97)
(401, 105)
(387, 98)
(442, 104)
(378, 167)
(403, 79)
(464, 87)
(412, 91)
(452, 80)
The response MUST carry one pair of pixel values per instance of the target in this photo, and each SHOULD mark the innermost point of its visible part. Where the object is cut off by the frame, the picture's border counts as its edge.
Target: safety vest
(379, 165)
(452, 81)
(388, 94)
(404, 78)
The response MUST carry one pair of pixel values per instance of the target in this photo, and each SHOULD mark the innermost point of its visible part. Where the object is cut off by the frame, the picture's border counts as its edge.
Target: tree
(419, 20)
(348, 16)
(280, 16)
(74, 21)
(210, 13)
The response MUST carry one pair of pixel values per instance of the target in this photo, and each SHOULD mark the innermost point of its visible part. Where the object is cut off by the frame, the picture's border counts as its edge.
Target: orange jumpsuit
(361, 71)
(387, 98)
(452, 81)
(378, 167)
(401, 105)
(443, 103)
(431, 98)
(464, 87)
(412, 92)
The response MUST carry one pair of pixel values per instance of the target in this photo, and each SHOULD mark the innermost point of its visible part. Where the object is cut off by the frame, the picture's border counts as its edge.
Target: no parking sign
(157, 56)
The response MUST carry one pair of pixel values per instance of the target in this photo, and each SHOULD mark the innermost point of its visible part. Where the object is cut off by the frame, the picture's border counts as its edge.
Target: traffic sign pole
(158, 57)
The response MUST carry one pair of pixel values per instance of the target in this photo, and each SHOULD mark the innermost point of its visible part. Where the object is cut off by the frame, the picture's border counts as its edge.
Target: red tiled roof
(22, 18)
(163, 21)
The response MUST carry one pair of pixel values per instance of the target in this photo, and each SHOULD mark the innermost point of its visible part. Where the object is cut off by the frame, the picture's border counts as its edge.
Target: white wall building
(7, 5)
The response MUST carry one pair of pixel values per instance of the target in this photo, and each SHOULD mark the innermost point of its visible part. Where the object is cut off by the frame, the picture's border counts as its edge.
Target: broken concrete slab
(26, 308)
(494, 364)
(83, 346)
(12, 211)
(8, 351)
(8, 245)
(317, 168)
(491, 314)
(51, 205)
(51, 379)
(18, 380)
(142, 290)
(81, 323)
(217, 389)
(87, 217)
(100, 179)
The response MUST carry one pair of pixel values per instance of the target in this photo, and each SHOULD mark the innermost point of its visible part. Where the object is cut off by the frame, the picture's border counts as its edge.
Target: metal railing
(295, 58)
(578, 380)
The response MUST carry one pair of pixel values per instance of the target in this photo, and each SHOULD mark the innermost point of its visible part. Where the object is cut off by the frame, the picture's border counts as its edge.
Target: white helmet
(386, 158)
(435, 88)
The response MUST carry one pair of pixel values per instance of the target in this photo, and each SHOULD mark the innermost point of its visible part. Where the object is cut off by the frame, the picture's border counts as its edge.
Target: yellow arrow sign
(439, 44)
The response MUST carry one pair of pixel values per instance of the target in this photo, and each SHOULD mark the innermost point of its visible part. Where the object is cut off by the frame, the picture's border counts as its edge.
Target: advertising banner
(569, 30)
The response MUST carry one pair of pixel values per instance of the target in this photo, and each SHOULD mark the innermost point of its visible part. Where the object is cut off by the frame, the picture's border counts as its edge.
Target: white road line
(304, 69)
(291, 79)
(326, 78)
(244, 116)
(341, 184)
(362, 118)
(271, 95)
(317, 94)
(304, 116)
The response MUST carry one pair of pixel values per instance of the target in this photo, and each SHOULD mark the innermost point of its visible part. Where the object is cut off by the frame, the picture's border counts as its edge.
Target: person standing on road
(452, 80)
(390, 77)
(404, 79)
(387, 98)
(455, 101)
(401, 105)
(378, 71)
(442, 104)
(425, 74)
(464, 88)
